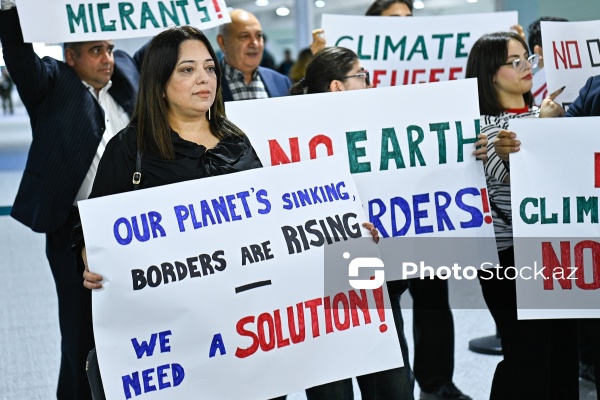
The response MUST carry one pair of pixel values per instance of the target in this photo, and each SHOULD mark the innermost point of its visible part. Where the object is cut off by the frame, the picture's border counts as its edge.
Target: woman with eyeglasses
(333, 69)
(336, 69)
(540, 356)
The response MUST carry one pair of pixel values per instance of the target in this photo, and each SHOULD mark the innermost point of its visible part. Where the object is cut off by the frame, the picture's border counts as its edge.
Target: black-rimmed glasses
(520, 65)
(363, 75)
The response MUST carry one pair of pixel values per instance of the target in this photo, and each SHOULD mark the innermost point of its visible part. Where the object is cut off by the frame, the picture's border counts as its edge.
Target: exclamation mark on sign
(486, 206)
(217, 8)
(378, 294)
(597, 169)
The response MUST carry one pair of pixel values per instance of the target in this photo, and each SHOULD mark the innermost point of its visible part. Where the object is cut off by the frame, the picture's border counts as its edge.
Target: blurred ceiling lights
(282, 11)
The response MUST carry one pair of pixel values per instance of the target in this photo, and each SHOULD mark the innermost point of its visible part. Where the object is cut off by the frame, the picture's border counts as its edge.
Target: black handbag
(92, 369)
(93, 374)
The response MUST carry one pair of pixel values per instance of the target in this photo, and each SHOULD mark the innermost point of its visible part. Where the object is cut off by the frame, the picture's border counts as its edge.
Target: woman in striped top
(539, 361)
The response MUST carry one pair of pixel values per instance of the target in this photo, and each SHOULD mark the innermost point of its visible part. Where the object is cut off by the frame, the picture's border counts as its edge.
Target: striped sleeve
(491, 126)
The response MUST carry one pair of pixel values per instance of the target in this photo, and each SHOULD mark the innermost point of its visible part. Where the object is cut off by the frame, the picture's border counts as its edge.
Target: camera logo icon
(375, 281)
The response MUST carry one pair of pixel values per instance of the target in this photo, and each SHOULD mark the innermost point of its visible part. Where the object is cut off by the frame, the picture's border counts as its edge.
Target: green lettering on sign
(388, 44)
(462, 141)
(103, 26)
(534, 218)
(204, 10)
(388, 137)
(566, 210)
(587, 206)
(442, 38)
(361, 56)
(182, 4)
(147, 15)
(553, 219)
(460, 45)
(413, 144)
(441, 128)
(343, 38)
(355, 152)
(125, 10)
(419, 47)
(164, 11)
(77, 19)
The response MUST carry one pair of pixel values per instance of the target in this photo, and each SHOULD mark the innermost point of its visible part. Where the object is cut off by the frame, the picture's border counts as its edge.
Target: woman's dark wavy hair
(151, 108)
(327, 65)
(485, 59)
(379, 6)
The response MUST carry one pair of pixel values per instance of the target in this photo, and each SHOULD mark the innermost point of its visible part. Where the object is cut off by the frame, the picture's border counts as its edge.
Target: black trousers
(393, 384)
(74, 314)
(540, 356)
(433, 330)
(589, 352)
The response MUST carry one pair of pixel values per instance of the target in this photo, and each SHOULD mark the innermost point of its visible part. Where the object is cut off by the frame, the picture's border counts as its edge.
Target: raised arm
(32, 76)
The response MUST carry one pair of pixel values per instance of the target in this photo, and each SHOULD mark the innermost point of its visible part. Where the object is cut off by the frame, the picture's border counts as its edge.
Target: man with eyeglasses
(242, 44)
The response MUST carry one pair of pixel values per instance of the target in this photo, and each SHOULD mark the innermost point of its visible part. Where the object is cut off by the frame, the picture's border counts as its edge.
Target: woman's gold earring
(209, 114)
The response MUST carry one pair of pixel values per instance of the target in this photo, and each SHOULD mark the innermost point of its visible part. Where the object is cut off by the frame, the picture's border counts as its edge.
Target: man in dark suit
(242, 44)
(74, 107)
(587, 104)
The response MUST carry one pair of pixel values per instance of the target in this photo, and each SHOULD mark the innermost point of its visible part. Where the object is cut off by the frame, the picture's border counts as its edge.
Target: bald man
(242, 44)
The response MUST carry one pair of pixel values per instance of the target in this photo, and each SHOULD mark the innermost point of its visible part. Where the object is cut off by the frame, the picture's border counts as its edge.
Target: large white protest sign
(403, 51)
(409, 150)
(555, 217)
(571, 56)
(60, 21)
(221, 280)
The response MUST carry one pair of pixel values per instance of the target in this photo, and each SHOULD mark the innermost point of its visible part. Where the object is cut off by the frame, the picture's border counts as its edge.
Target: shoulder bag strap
(137, 175)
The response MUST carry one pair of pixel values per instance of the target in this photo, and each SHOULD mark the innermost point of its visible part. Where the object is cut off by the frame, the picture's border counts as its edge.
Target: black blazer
(587, 103)
(67, 125)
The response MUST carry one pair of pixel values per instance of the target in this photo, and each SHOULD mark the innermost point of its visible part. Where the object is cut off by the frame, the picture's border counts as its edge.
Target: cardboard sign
(59, 21)
(221, 280)
(571, 56)
(404, 51)
(555, 217)
(409, 151)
